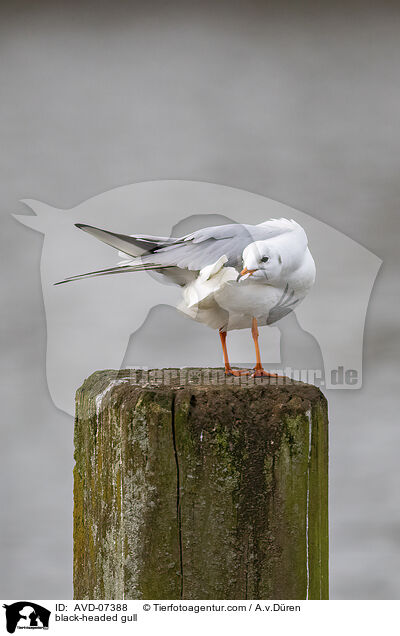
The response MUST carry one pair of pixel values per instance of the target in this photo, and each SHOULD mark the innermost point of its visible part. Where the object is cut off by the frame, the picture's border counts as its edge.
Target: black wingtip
(80, 226)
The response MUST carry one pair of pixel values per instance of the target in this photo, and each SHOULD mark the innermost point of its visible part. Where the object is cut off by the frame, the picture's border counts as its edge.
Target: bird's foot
(259, 372)
(236, 372)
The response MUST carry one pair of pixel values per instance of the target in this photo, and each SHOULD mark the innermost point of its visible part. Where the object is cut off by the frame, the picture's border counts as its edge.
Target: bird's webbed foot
(259, 372)
(236, 372)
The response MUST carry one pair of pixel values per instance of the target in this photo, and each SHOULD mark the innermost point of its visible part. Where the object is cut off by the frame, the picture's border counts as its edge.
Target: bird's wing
(119, 269)
(283, 307)
(178, 258)
(205, 246)
(134, 245)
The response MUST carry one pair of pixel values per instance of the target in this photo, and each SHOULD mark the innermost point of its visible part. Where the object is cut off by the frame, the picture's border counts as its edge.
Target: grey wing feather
(277, 313)
(120, 269)
(131, 245)
(283, 307)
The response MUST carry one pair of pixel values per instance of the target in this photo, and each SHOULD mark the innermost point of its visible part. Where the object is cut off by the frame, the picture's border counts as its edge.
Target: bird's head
(261, 261)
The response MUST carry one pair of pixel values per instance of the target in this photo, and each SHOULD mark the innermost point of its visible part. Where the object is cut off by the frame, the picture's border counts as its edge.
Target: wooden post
(191, 485)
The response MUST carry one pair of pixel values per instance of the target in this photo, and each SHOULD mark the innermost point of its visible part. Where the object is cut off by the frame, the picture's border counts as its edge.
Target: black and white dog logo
(26, 615)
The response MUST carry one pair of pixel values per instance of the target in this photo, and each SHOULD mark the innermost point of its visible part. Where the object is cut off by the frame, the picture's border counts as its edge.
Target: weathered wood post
(195, 486)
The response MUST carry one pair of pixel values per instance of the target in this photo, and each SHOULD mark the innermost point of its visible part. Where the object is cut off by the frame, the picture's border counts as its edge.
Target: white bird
(233, 276)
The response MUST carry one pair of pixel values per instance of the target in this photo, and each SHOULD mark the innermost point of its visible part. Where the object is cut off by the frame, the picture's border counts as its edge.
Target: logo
(26, 615)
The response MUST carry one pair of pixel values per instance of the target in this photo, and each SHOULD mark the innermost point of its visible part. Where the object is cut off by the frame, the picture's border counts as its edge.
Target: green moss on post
(189, 485)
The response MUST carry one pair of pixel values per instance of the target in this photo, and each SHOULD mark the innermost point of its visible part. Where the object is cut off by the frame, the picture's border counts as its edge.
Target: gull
(234, 276)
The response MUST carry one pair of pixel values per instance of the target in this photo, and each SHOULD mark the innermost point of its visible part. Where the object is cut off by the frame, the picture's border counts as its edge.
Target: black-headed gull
(233, 276)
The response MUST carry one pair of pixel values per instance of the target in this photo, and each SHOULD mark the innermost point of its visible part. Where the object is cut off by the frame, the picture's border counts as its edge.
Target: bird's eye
(265, 259)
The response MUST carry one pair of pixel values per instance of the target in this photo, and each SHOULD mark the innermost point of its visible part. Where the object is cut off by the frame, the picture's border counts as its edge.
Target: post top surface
(196, 379)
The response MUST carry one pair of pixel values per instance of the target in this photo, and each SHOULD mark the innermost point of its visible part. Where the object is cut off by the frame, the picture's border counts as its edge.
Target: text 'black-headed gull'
(233, 276)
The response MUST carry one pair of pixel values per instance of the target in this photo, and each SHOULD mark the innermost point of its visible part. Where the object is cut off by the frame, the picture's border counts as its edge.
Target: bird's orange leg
(258, 369)
(228, 368)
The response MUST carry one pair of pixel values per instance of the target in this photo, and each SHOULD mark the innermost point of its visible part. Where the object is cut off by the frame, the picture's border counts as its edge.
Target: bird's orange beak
(247, 271)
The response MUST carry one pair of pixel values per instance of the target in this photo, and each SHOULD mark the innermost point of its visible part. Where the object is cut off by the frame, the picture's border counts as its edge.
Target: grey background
(300, 104)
